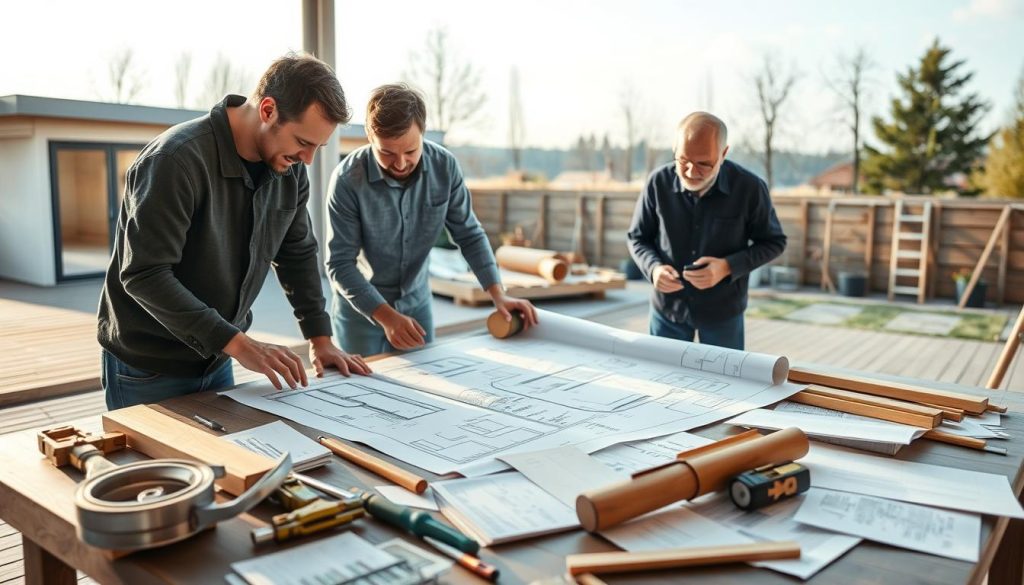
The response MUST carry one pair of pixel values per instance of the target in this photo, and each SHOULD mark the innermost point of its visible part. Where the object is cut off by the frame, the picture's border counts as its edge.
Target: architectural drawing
(462, 403)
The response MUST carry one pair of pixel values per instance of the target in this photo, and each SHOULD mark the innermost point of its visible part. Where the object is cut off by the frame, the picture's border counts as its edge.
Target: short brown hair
(297, 80)
(393, 109)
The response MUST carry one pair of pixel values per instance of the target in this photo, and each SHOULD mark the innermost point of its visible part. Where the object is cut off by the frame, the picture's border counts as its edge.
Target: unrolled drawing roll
(544, 263)
(707, 470)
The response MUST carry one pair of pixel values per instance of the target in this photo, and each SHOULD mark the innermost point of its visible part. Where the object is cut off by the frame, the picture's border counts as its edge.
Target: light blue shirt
(387, 227)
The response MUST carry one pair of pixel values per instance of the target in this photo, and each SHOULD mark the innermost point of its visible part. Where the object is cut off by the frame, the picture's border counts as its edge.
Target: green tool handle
(419, 523)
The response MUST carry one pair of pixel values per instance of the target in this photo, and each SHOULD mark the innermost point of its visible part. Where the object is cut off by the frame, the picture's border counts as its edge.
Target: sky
(575, 59)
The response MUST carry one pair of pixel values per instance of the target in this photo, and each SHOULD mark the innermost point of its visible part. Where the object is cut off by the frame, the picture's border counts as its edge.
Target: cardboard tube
(544, 263)
(696, 475)
(500, 328)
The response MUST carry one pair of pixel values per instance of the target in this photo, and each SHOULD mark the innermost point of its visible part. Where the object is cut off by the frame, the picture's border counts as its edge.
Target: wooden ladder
(910, 244)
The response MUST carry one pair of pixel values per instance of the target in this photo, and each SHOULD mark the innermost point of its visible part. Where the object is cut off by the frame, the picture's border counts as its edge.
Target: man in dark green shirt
(209, 206)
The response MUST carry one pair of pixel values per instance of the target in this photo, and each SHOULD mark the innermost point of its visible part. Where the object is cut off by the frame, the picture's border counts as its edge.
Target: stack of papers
(833, 426)
(277, 438)
(502, 508)
(345, 559)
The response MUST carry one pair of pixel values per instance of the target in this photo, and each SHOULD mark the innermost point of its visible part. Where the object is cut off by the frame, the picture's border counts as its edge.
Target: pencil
(389, 471)
(465, 560)
(969, 442)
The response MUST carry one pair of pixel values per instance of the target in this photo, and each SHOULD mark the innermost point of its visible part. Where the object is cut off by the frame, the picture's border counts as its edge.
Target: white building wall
(26, 200)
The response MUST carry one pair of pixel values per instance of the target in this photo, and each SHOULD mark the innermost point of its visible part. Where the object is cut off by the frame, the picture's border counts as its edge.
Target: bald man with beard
(700, 226)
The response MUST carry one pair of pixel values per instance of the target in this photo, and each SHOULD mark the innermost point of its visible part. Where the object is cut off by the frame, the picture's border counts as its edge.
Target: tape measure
(755, 489)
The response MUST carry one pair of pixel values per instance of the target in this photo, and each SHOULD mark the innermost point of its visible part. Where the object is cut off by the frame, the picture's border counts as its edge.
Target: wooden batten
(900, 391)
(879, 412)
(880, 401)
(624, 562)
(160, 436)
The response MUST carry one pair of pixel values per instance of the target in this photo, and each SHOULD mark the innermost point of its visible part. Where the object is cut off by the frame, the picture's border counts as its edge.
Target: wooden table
(36, 499)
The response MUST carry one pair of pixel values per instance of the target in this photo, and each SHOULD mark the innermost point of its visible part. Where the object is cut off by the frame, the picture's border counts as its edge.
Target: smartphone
(694, 266)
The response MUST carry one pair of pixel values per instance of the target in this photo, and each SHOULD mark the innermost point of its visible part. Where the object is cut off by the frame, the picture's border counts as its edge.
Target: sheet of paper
(672, 527)
(818, 548)
(989, 418)
(449, 407)
(968, 428)
(633, 456)
(404, 497)
(276, 438)
(428, 564)
(564, 472)
(818, 422)
(329, 560)
(956, 535)
(503, 507)
(846, 470)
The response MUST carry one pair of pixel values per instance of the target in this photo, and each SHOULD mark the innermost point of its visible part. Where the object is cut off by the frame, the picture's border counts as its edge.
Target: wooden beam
(599, 229)
(627, 562)
(1004, 217)
(43, 568)
(869, 246)
(872, 400)
(936, 243)
(1009, 350)
(159, 435)
(805, 211)
(1004, 255)
(862, 409)
(826, 278)
(502, 214)
(540, 237)
(898, 390)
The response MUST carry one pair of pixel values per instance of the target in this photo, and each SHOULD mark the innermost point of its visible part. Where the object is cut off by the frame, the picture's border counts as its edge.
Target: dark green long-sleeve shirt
(195, 240)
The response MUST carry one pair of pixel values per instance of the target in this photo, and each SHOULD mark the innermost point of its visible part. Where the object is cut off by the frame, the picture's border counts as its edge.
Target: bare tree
(182, 71)
(773, 84)
(223, 79)
(849, 84)
(516, 125)
(453, 88)
(126, 80)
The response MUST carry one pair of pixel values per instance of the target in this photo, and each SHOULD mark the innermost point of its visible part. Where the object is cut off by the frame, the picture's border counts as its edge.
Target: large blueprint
(454, 407)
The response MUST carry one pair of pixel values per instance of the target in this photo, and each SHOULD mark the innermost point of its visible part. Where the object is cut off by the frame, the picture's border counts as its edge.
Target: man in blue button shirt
(699, 228)
(388, 203)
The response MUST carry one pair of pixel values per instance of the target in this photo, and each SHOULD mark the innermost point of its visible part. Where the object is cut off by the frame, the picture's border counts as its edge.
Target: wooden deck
(931, 358)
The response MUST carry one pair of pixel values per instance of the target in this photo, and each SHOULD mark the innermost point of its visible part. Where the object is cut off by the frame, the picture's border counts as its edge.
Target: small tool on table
(309, 513)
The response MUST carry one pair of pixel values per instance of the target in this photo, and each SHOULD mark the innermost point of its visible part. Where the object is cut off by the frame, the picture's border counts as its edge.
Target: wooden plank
(599, 221)
(976, 275)
(470, 293)
(897, 416)
(869, 247)
(1004, 255)
(880, 401)
(926, 253)
(899, 391)
(158, 434)
(826, 278)
(805, 212)
(1009, 350)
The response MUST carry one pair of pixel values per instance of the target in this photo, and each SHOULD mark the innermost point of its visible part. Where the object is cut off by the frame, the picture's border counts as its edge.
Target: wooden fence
(860, 234)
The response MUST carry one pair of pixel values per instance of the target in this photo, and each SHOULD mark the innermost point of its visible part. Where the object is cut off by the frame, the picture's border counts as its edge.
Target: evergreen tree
(1003, 175)
(932, 135)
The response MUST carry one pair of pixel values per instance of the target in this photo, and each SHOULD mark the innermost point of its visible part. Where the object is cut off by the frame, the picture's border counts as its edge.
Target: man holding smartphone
(700, 226)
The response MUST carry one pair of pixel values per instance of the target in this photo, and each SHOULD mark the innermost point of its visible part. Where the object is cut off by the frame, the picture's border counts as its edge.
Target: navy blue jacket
(734, 220)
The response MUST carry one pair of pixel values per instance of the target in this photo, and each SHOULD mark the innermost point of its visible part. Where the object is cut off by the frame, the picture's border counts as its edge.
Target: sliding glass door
(88, 183)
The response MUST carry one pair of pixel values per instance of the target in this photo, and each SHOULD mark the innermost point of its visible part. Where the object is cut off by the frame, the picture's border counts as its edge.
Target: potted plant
(961, 278)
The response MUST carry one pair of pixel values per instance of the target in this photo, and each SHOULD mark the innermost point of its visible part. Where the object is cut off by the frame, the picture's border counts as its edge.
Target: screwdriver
(417, 522)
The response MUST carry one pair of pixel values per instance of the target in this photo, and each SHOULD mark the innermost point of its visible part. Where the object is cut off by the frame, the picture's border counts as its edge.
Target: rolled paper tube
(500, 328)
(544, 263)
(704, 472)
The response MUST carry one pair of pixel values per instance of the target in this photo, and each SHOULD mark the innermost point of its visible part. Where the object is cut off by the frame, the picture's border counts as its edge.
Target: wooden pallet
(468, 292)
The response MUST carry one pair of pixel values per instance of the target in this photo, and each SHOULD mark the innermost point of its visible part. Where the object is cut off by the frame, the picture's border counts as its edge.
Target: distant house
(835, 179)
(63, 164)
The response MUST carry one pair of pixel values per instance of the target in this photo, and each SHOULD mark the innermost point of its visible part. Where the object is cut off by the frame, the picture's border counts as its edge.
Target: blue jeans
(355, 333)
(728, 333)
(128, 386)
